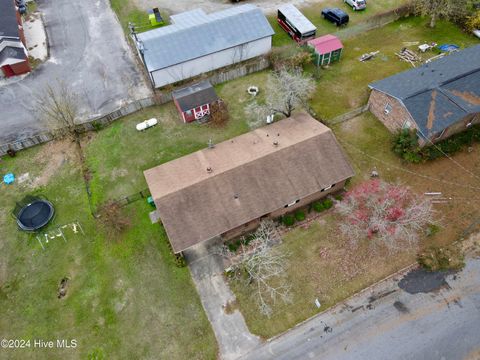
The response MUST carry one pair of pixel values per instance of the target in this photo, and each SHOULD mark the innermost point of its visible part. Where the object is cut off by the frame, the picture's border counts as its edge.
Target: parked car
(356, 4)
(335, 15)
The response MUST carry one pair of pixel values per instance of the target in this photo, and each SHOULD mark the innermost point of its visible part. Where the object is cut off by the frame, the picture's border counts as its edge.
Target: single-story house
(196, 43)
(193, 102)
(227, 189)
(13, 53)
(438, 99)
(326, 49)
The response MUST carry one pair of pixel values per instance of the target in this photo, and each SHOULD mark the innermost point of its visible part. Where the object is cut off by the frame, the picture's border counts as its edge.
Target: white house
(197, 42)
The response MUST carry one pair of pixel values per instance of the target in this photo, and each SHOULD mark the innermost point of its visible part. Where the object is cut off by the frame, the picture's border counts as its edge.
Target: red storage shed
(193, 102)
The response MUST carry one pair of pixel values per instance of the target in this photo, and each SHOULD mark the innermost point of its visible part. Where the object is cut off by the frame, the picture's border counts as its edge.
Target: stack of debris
(409, 56)
(368, 56)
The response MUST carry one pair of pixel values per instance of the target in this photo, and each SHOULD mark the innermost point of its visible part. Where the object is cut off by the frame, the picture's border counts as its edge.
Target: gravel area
(175, 6)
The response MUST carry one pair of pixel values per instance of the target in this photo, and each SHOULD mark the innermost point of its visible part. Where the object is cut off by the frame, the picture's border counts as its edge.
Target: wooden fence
(349, 115)
(93, 124)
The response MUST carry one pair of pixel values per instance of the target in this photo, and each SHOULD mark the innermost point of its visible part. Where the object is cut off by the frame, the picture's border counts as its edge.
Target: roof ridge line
(246, 162)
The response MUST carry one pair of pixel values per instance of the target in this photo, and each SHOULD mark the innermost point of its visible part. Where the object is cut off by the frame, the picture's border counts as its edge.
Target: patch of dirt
(116, 173)
(230, 307)
(423, 281)
(53, 155)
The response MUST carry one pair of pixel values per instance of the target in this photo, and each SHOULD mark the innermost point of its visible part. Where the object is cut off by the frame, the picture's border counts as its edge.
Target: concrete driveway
(421, 316)
(89, 52)
(233, 336)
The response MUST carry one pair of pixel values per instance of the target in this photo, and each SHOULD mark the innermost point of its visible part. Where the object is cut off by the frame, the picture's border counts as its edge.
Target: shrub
(338, 197)
(318, 206)
(218, 113)
(180, 261)
(473, 22)
(442, 258)
(289, 56)
(405, 144)
(300, 215)
(327, 204)
(432, 229)
(288, 220)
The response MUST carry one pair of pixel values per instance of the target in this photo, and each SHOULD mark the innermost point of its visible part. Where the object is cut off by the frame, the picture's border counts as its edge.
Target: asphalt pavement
(89, 53)
(415, 316)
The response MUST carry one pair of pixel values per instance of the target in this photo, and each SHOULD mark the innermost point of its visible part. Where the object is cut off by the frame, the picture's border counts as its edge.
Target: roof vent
(275, 143)
(235, 196)
(209, 170)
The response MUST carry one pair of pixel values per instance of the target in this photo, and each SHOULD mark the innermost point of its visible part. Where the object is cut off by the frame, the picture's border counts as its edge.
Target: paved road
(88, 51)
(390, 323)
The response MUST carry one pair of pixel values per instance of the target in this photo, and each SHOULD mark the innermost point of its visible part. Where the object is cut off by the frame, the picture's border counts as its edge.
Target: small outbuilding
(193, 102)
(13, 53)
(326, 49)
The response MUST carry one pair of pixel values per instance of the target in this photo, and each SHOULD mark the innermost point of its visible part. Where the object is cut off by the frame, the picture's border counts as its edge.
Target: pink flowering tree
(389, 215)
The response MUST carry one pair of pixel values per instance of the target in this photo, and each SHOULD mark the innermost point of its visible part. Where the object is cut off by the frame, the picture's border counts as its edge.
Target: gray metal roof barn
(197, 42)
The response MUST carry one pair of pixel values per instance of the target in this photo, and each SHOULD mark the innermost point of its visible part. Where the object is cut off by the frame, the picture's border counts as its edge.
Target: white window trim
(407, 124)
(388, 109)
(441, 134)
(293, 203)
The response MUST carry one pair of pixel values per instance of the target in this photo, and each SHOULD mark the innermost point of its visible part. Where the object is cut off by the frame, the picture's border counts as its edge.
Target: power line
(409, 171)
(448, 156)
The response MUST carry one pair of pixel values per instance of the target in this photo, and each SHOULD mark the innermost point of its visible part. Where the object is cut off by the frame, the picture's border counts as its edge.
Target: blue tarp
(9, 178)
(448, 47)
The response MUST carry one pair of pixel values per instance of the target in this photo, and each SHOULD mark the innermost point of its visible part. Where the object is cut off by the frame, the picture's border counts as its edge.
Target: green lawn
(313, 13)
(118, 155)
(125, 298)
(344, 85)
(127, 11)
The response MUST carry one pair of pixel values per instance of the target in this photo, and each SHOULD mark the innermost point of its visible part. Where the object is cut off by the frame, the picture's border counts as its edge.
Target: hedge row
(407, 147)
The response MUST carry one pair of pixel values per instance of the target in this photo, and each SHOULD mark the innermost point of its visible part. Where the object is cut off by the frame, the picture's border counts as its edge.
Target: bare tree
(57, 106)
(389, 215)
(286, 90)
(448, 9)
(263, 266)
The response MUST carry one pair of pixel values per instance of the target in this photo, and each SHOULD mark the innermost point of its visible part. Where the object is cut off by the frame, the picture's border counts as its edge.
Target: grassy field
(126, 299)
(321, 265)
(344, 85)
(118, 155)
(128, 12)
(313, 13)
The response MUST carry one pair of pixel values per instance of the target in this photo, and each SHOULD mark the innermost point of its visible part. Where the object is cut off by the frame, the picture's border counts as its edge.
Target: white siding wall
(211, 62)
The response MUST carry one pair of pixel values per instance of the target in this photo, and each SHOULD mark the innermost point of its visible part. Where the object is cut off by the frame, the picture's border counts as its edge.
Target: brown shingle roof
(250, 177)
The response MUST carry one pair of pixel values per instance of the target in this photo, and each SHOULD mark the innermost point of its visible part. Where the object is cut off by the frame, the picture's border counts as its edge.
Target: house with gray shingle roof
(438, 99)
(197, 43)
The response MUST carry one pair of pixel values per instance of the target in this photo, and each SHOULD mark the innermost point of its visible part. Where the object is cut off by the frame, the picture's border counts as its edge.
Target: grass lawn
(344, 85)
(127, 11)
(125, 297)
(118, 155)
(321, 263)
(313, 13)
